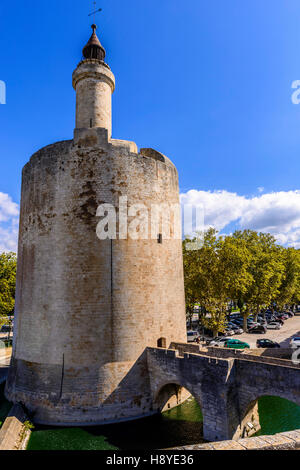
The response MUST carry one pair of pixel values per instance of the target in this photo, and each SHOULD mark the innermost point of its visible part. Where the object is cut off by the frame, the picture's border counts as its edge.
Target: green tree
(266, 269)
(248, 268)
(219, 269)
(8, 266)
(207, 277)
(230, 275)
(288, 291)
(296, 296)
(190, 263)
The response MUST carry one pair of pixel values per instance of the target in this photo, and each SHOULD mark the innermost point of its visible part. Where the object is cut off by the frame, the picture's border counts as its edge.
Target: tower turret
(94, 49)
(94, 84)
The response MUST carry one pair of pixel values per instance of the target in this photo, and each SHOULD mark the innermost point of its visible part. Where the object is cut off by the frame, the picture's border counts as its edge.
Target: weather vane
(95, 11)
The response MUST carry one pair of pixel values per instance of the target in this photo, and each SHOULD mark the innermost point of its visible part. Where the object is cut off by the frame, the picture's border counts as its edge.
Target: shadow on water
(177, 427)
(5, 406)
(182, 425)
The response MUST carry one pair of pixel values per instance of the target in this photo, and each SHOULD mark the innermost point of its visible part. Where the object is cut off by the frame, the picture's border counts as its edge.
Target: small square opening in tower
(162, 343)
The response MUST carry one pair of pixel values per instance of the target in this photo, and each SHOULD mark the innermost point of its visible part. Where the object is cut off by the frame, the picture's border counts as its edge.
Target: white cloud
(9, 219)
(220, 207)
(277, 213)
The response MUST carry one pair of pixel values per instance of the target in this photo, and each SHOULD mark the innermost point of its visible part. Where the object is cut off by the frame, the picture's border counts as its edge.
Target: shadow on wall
(170, 396)
(286, 343)
(136, 385)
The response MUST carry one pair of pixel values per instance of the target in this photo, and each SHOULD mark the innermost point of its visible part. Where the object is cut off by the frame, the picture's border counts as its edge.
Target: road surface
(289, 330)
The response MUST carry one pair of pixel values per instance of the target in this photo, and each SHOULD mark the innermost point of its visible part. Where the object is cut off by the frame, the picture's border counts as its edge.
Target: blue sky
(206, 83)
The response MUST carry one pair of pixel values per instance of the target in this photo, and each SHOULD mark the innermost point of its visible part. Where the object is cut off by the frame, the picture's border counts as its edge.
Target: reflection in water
(177, 427)
(277, 415)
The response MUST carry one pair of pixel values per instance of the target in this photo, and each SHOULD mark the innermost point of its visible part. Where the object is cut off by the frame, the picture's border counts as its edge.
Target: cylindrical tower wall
(87, 308)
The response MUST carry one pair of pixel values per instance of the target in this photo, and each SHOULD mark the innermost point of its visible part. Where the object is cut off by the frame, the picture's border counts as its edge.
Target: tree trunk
(256, 314)
(189, 319)
(245, 326)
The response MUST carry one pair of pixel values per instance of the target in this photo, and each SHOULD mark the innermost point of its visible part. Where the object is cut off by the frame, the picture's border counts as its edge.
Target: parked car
(282, 316)
(259, 329)
(236, 329)
(289, 314)
(295, 342)
(209, 341)
(221, 342)
(276, 320)
(274, 325)
(267, 343)
(270, 316)
(239, 331)
(236, 344)
(230, 324)
(7, 329)
(228, 332)
(217, 342)
(235, 315)
(238, 323)
(263, 322)
(192, 336)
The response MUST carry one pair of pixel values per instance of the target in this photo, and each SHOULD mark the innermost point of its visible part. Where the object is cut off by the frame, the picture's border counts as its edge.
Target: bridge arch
(273, 393)
(172, 393)
(249, 419)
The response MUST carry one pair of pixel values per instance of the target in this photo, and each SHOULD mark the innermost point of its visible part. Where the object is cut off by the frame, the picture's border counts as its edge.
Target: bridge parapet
(280, 357)
(284, 441)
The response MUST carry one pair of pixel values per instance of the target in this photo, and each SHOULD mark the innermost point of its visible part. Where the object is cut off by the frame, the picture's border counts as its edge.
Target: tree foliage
(248, 268)
(8, 267)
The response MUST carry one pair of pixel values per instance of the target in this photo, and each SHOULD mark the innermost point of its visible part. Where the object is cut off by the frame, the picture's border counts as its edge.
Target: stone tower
(87, 308)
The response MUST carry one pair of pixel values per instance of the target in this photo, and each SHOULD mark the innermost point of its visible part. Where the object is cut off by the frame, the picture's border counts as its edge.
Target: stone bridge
(226, 388)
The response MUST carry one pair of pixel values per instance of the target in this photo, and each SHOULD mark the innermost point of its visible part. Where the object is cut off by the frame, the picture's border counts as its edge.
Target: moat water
(177, 427)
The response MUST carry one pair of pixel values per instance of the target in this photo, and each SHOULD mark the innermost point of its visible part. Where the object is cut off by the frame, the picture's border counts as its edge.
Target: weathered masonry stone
(227, 389)
(86, 309)
(283, 441)
(14, 432)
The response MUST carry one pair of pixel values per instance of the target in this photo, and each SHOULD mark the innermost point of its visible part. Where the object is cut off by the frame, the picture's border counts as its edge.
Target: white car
(228, 332)
(295, 342)
(273, 325)
(218, 342)
(251, 324)
(239, 331)
(192, 336)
